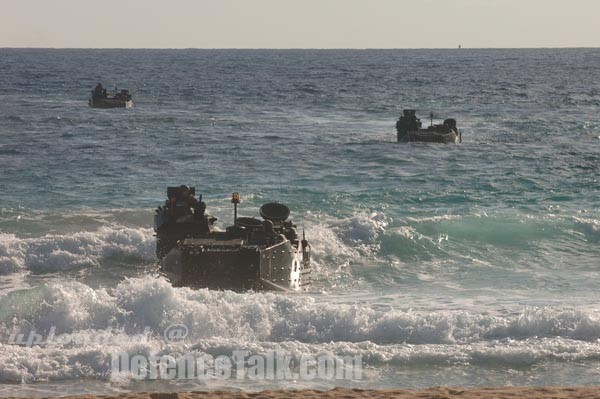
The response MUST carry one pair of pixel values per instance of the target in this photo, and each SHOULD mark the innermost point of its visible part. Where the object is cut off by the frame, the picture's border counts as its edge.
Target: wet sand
(343, 393)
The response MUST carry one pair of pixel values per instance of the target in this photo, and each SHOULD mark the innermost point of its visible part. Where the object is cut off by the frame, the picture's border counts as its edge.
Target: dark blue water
(478, 261)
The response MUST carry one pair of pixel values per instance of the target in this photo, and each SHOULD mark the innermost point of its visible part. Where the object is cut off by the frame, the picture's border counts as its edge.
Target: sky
(299, 23)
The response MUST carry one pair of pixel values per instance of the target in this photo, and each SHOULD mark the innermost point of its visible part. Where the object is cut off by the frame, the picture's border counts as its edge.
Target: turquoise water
(475, 264)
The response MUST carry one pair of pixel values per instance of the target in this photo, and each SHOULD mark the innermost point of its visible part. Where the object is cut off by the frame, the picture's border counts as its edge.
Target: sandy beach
(344, 393)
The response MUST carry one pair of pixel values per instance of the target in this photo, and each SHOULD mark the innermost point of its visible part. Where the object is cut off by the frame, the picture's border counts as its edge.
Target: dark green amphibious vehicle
(409, 129)
(252, 254)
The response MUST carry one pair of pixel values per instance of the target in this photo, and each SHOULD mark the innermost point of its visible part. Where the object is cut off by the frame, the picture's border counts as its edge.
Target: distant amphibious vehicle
(409, 130)
(252, 254)
(101, 99)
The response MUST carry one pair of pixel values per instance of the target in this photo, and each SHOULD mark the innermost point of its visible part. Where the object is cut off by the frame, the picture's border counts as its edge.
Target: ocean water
(476, 264)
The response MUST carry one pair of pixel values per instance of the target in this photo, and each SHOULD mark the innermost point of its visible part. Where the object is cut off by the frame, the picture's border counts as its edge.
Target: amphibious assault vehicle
(252, 254)
(101, 99)
(409, 129)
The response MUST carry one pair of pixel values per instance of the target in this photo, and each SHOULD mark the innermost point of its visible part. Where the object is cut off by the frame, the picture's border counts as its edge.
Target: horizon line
(295, 48)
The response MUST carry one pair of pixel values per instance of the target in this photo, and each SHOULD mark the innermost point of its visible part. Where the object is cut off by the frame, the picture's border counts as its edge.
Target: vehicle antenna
(304, 242)
(235, 199)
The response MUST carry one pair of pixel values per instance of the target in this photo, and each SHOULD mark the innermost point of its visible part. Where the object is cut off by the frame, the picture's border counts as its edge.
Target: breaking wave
(589, 227)
(152, 302)
(53, 252)
(91, 323)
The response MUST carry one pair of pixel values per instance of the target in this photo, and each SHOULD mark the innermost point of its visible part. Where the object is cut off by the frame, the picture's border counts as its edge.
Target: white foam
(347, 237)
(336, 243)
(405, 232)
(153, 302)
(434, 219)
(589, 227)
(362, 228)
(91, 323)
(53, 252)
(12, 254)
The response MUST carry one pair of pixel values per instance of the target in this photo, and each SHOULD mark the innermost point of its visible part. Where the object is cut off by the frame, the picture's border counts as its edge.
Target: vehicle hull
(427, 136)
(217, 262)
(110, 103)
(409, 130)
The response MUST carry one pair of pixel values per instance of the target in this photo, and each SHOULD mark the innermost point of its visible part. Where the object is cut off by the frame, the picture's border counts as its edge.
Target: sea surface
(474, 264)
